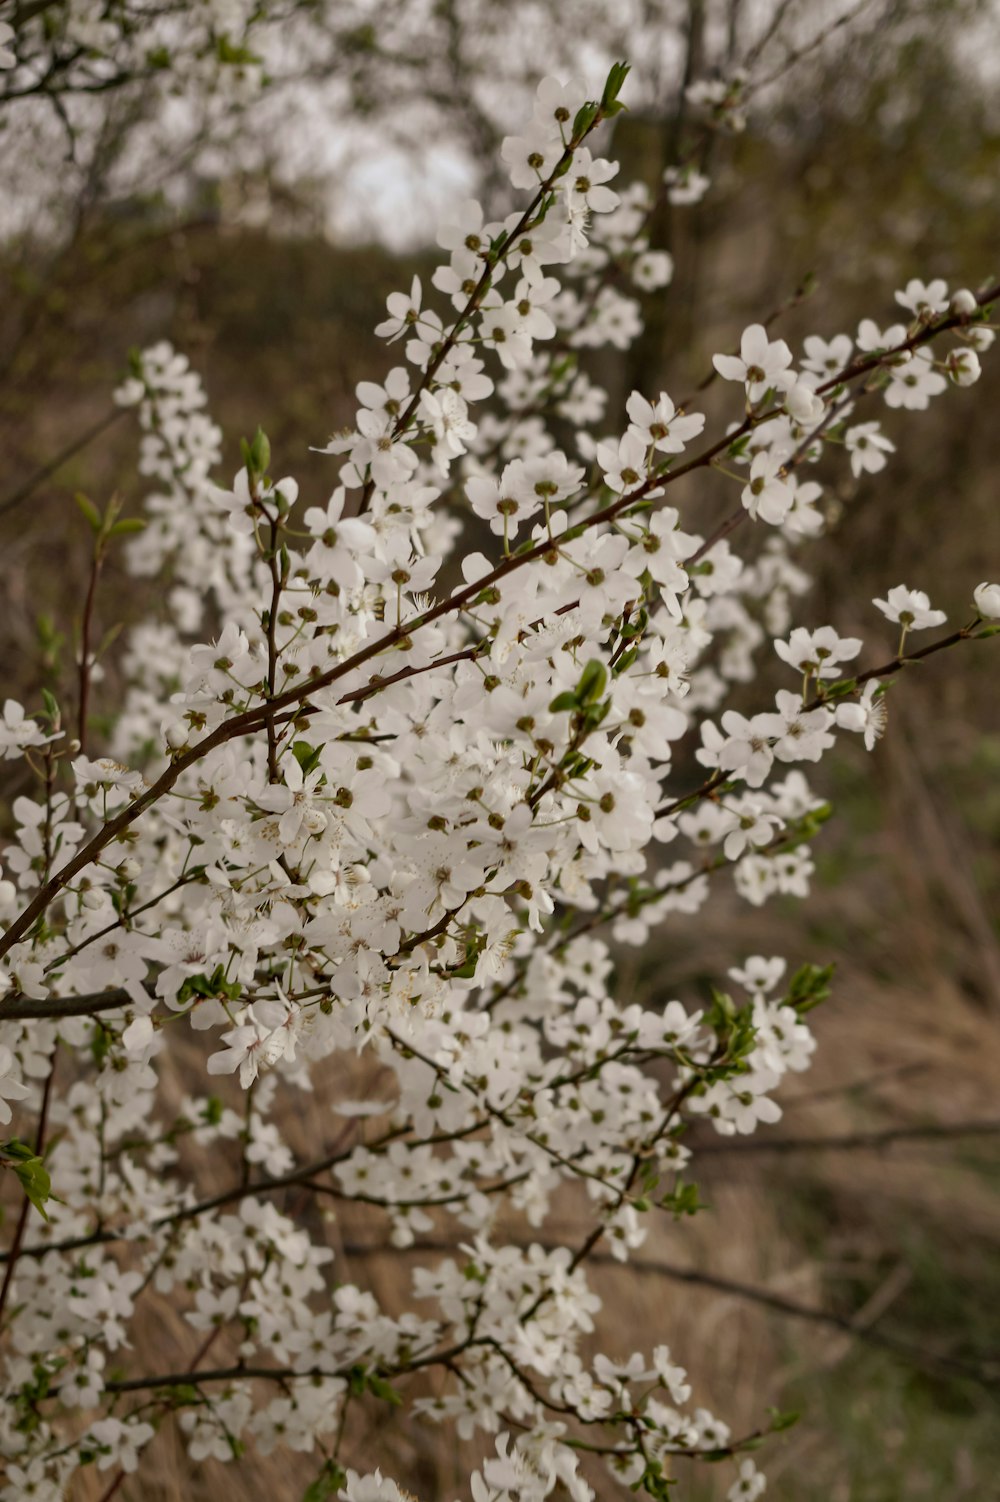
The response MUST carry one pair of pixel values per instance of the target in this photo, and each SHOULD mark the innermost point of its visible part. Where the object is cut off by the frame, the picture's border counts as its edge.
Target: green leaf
(634, 627)
(182, 1394)
(723, 1011)
(230, 989)
(307, 756)
(380, 1388)
(593, 682)
(49, 639)
(683, 1200)
(649, 1175)
(808, 826)
(194, 985)
(31, 1171)
(16, 1151)
(129, 524)
(809, 986)
(654, 1483)
(563, 702)
(211, 1111)
(89, 510)
(111, 635)
(327, 1484)
(609, 99)
(256, 455)
(100, 1044)
(585, 117)
(209, 985)
(781, 1420)
(36, 1184)
(839, 689)
(227, 52)
(593, 714)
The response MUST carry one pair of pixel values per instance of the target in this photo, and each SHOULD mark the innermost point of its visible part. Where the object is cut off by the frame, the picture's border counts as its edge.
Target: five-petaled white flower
(867, 716)
(911, 608)
(761, 363)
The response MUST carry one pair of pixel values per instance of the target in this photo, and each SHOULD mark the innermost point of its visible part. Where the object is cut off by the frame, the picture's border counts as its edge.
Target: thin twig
(22, 1219)
(853, 1141)
(31, 484)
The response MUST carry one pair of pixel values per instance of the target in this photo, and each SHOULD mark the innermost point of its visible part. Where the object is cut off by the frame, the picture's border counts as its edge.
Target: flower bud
(964, 367)
(138, 1035)
(987, 598)
(980, 338)
(964, 301)
(802, 403)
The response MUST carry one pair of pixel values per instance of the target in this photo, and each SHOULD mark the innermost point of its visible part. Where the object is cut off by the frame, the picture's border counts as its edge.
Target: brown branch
(935, 1132)
(26, 1008)
(217, 1374)
(22, 1219)
(31, 484)
(377, 685)
(895, 664)
(885, 670)
(84, 676)
(986, 1375)
(303, 1177)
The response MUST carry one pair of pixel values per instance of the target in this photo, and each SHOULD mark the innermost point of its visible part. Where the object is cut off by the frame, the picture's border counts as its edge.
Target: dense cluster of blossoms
(83, 45)
(363, 841)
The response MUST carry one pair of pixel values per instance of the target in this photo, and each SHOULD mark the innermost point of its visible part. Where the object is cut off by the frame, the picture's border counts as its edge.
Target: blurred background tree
(245, 182)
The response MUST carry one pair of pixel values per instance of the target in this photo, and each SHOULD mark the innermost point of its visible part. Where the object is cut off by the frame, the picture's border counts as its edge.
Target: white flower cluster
(359, 844)
(82, 45)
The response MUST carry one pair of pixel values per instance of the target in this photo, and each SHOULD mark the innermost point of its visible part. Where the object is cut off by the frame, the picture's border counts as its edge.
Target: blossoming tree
(391, 774)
